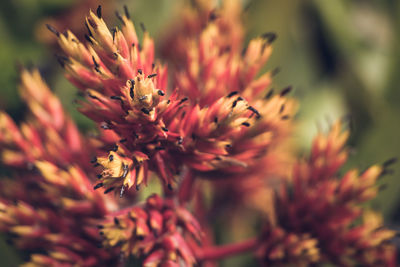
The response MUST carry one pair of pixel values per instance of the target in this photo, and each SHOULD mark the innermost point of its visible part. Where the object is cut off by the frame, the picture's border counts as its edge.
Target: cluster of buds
(50, 206)
(240, 126)
(317, 213)
(193, 20)
(125, 94)
(50, 135)
(156, 232)
(219, 119)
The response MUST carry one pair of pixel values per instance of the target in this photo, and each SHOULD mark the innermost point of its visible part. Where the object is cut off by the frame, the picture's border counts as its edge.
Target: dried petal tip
(389, 162)
(53, 30)
(269, 36)
(97, 186)
(98, 11)
(108, 190)
(127, 12)
(286, 91)
(232, 94)
(142, 27)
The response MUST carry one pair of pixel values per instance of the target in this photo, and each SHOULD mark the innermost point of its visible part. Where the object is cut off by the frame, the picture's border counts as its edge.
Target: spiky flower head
(219, 120)
(50, 207)
(320, 210)
(156, 232)
(162, 131)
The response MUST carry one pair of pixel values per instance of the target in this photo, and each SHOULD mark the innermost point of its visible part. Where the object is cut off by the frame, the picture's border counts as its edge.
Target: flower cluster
(156, 231)
(225, 129)
(49, 206)
(218, 137)
(316, 213)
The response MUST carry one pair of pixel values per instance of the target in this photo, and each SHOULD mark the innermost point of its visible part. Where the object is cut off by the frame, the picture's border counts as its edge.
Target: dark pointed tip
(269, 36)
(108, 190)
(183, 100)
(116, 221)
(97, 186)
(382, 187)
(62, 60)
(232, 94)
(88, 38)
(269, 94)
(286, 91)
(95, 62)
(140, 71)
(145, 111)
(98, 11)
(170, 187)
(53, 30)
(142, 27)
(127, 12)
(119, 17)
(255, 111)
(387, 172)
(275, 71)
(152, 75)
(161, 92)
(389, 162)
(137, 187)
(113, 32)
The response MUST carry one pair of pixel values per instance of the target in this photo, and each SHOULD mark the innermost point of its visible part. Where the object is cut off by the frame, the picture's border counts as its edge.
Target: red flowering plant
(216, 136)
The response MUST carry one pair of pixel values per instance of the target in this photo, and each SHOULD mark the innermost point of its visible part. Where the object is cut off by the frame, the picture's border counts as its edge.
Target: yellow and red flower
(326, 208)
(156, 232)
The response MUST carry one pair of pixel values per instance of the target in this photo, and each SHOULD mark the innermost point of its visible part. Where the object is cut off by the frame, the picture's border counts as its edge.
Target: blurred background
(342, 58)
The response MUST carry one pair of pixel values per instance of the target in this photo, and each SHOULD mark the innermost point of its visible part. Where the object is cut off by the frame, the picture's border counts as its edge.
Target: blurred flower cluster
(209, 127)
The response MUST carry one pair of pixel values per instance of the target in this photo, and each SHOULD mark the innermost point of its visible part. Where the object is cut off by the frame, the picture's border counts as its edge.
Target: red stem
(223, 251)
